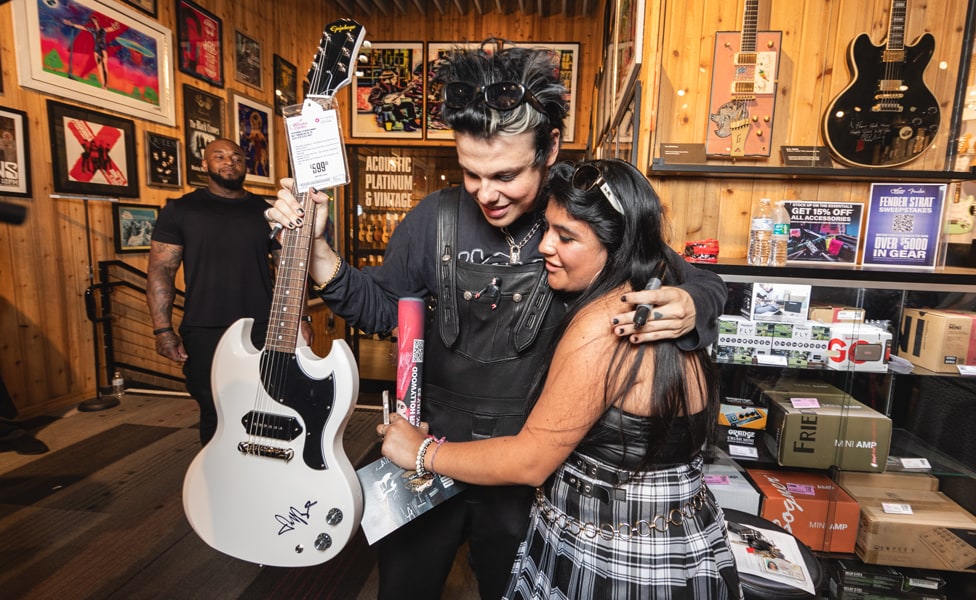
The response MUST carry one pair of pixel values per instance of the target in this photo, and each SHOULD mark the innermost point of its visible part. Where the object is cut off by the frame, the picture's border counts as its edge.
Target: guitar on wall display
(743, 97)
(274, 486)
(886, 116)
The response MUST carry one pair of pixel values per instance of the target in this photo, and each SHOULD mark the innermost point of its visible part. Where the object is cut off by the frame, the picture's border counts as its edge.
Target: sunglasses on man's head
(504, 95)
(588, 176)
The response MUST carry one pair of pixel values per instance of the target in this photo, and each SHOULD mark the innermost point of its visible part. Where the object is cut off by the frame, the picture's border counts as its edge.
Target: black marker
(644, 310)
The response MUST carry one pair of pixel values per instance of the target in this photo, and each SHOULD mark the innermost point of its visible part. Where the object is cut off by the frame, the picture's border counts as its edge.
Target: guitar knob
(759, 133)
(323, 541)
(334, 517)
(766, 119)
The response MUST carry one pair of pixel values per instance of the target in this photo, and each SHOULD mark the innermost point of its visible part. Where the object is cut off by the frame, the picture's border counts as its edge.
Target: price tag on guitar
(317, 147)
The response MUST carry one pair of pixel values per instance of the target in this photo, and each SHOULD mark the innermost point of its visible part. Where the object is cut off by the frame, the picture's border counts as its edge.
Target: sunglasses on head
(504, 95)
(588, 176)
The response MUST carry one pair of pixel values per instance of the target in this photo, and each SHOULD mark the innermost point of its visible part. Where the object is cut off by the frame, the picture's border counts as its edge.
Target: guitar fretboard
(750, 24)
(290, 284)
(896, 26)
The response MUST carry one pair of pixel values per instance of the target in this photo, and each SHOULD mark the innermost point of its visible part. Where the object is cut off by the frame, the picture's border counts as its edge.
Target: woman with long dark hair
(615, 436)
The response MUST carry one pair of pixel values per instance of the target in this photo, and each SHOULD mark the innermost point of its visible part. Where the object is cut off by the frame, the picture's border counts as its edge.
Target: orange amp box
(817, 511)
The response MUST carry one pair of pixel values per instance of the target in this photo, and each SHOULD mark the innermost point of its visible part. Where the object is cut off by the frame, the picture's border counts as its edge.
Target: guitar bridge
(285, 454)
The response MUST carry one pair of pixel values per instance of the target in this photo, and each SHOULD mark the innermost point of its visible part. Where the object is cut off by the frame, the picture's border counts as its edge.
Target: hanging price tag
(317, 149)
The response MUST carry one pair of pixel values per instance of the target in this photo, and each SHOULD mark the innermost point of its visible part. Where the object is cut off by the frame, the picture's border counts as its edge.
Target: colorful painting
(201, 47)
(254, 132)
(96, 52)
(389, 92)
(94, 153)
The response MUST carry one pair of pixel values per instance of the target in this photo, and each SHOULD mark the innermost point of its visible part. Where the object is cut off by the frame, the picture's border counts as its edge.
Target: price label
(318, 153)
(967, 370)
(743, 451)
(915, 463)
(892, 508)
(777, 360)
(805, 402)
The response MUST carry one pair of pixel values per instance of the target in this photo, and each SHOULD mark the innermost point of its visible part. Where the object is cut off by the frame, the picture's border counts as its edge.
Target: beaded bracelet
(318, 287)
(421, 471)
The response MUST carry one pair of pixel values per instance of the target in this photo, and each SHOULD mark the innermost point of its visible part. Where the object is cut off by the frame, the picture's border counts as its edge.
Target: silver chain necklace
(515, 250)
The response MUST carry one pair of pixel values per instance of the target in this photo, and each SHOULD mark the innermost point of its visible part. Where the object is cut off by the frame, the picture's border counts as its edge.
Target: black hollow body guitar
(886, 116)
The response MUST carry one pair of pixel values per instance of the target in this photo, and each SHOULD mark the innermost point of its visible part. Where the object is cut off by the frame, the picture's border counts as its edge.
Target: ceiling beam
(440, 5)
(401, 6)
(383, 6)
(421, 6)
(345, 5)
(462, 6)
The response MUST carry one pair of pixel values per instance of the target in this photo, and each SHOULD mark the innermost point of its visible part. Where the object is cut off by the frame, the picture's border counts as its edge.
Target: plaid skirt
(659, 534)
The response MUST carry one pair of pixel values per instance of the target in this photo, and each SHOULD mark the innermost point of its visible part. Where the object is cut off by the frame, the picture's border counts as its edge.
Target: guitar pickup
(745, 58)
(743, 87)
(269, 425)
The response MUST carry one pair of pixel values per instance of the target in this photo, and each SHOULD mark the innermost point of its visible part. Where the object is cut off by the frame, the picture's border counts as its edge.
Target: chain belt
(609, 531)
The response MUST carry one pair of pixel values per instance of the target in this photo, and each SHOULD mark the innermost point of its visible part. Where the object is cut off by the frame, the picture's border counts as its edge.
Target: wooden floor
(100, 516)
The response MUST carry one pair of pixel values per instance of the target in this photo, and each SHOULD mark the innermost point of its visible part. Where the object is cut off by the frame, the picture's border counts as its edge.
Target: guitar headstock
(338, 49)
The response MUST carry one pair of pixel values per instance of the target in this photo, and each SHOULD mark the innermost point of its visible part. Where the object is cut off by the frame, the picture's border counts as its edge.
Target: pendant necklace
(515, 250)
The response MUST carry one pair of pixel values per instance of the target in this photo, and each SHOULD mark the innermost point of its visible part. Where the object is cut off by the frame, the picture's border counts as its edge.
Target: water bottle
(118, 385)
(781, 235)
(760, 234)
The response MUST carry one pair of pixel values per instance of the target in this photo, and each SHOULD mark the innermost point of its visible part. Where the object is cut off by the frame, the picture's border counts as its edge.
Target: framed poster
(285, 84)
(389, 93)
(129, 68)
(904, 224)
(203, 122)
(200, 41)
(163, 161)
(247, 61)
(147, 6)
(134, 225)
(93, 153)
(14, 154)
(434, 127)
(628, 44)
(254, 132)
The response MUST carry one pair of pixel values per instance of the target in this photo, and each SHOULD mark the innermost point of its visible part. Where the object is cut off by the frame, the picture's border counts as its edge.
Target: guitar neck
(291, 282)
(896, 28)
(750, 24)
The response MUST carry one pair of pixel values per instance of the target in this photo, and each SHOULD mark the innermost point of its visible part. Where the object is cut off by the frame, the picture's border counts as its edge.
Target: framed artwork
(247, 60)
(93, 153)
(628, 45)
(254, 132)
(163, 161)
(200, 41)
(98, 52)
(565, 59)
(434, 127)
(14, 154)
(203, 122)
(134, 225)
(147, 6)
(285, 84)
(389, 93)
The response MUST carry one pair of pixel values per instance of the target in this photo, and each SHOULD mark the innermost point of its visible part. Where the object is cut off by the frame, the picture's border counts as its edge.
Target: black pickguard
(860, 134)
(313, 399)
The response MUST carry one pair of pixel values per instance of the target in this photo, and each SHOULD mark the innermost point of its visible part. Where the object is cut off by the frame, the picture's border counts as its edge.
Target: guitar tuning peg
(363, 59)
(359, 73)
(366, 45)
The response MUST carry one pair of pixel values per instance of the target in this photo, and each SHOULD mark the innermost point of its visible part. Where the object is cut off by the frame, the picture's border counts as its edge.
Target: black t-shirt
(226, 263)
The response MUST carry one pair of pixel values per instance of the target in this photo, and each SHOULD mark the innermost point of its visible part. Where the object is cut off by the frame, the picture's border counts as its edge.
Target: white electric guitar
(274, 486)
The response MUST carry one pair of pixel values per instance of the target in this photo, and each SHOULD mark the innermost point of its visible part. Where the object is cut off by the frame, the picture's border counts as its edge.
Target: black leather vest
(488, 330)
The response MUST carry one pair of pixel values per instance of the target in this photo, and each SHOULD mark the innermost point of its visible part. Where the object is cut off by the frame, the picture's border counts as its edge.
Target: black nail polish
(299, 221)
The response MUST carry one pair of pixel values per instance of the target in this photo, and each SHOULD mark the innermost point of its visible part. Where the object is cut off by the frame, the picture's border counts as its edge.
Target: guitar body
(743, 96)
(274, 486)
(869, 124)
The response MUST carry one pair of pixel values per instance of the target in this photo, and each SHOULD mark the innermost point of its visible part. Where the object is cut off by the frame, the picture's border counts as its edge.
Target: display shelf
(949, 279)
(747, 169)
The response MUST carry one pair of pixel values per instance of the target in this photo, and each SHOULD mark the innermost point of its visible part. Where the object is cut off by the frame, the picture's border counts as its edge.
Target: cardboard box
(730, 486)
(822, 430)
(741, 421)
(817, 511)
(836, 314)
(850, 578)
(911, 481)
(938, 340)
(858, 347)
(776, 302)
(937, 534)
(804, 344)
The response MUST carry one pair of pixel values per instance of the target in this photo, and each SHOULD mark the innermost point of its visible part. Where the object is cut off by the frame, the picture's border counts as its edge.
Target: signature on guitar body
(274, 485)
(743, 96)
(886, 116)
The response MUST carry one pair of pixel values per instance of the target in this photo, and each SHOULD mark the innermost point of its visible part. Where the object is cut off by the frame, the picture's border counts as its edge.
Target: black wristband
(307, 318)
(162, 330)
